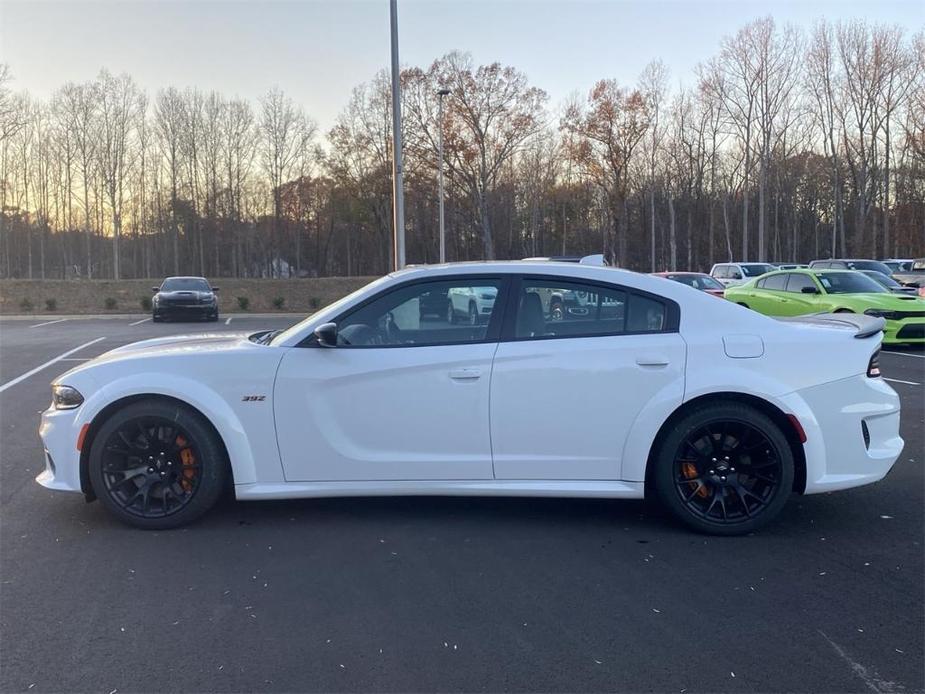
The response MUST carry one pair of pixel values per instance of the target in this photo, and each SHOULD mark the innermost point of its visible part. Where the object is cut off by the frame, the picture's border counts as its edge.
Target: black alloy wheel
(727, 469)
(157, 464)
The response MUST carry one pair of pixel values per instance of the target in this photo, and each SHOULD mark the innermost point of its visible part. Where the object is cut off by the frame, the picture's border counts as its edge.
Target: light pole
(440, 94)
(398, 200)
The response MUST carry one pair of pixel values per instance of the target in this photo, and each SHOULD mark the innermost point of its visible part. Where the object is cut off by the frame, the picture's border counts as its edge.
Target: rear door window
(776, 282)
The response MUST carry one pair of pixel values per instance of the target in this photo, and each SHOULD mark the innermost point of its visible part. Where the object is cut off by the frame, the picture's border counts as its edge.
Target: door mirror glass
(326, 334)
(214, 289)
(155, 289)
(736, 275)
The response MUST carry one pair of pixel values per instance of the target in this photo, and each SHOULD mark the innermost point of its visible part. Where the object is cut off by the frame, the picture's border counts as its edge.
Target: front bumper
(852, 432)
(906, 331)
(186, 311)
(59, 432)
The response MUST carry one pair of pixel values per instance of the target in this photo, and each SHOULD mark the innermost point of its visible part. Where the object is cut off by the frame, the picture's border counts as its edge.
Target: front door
(403, 396)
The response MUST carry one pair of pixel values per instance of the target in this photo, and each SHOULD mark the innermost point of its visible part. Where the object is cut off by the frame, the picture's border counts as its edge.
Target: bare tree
(491, 113)
(654, 85)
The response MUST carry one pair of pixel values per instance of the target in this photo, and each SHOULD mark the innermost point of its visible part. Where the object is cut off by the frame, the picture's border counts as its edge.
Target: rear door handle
(465, 374)
(652, 361)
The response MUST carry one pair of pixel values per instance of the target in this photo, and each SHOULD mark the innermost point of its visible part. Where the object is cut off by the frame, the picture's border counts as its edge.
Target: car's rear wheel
(450, 313)
(157, 464)
(725, 469)
(473, 314)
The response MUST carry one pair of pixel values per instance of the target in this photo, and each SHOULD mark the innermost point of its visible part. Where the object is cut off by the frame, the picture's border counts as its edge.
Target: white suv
(733, 274)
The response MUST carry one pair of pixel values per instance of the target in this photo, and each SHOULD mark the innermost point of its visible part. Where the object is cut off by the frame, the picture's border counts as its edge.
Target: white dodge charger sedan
(655, 389)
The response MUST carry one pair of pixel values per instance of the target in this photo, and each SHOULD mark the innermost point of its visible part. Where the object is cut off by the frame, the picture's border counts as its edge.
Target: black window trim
(492, 331)
(508, 331)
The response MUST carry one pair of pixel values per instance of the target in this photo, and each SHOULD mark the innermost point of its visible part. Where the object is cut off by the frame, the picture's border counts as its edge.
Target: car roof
(183, 277)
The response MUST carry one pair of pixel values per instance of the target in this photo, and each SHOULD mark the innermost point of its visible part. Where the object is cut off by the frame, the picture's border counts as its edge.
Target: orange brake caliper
(188, 460)
(690, 472)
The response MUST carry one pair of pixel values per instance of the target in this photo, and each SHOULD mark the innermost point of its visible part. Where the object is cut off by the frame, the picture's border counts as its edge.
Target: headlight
(881, 313)
(65, 397)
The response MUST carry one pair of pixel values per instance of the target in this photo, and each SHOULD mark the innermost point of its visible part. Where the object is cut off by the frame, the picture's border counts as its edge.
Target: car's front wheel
(157, 464)
(725, 469)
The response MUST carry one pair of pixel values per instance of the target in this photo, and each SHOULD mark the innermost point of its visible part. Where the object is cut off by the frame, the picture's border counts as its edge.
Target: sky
(317, 51)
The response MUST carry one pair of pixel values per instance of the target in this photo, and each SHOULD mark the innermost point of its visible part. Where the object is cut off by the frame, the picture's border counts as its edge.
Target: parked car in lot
(790, 266)
(797, 292)
(898, 264)
(470, 304)
(892, 285)
(851, 264)
(184, 297)
(719, 412)
(697, 280)
(914, 276)
(732, 274)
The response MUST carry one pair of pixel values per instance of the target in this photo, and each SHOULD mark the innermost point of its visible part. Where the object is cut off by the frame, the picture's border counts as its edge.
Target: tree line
(785, 145)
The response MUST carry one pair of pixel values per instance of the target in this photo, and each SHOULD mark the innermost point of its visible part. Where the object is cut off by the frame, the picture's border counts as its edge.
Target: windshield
(697, 281)
(185, 284)
(328, 311)
(849, 283)
(755, 269)
(868, 265)
(880, 278)
(918, 265)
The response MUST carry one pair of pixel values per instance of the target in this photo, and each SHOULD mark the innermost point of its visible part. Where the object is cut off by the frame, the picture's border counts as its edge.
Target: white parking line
(228, 320)
(903, 354)
(18, 379)
(50, 322)
(896, 380)
(139, 322)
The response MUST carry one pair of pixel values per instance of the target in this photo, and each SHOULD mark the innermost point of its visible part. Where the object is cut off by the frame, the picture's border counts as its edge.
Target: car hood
(208, 342)
(892, 301)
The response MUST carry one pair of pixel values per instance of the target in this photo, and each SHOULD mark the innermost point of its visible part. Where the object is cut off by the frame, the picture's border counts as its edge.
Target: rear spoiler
(865, 326)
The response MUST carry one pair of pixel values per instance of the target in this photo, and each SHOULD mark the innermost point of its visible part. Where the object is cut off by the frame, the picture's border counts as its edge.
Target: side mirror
(809, 290)
(326, 333)
(155, 289)
(214, 289)
(736, 275)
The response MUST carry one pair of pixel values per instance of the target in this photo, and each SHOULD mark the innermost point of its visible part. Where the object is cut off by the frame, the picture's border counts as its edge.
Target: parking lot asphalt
(446, 594)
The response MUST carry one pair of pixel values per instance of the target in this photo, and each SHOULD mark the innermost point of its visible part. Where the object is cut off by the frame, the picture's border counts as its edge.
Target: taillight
(873, 367)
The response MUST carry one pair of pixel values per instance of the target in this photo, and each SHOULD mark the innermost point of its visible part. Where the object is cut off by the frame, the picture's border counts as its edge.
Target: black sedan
(185, 297)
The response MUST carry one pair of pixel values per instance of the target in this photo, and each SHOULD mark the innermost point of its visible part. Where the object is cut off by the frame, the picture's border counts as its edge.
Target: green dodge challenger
(796, 292)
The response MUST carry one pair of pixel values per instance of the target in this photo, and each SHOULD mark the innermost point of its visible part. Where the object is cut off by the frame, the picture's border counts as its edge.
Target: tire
(213, 318)
(752, 501)
(156, 319)
(450, 313)
(200, 473)
(473, 314)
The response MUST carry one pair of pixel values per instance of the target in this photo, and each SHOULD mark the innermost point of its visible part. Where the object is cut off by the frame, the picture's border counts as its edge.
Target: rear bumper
(852, 432)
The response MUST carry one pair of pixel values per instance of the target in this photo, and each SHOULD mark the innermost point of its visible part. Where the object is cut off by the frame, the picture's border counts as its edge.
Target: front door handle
(465, 374)
(652, 361)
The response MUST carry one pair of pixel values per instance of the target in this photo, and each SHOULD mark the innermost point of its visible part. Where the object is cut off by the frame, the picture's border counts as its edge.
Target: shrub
(110, 303)
(25, 306)
(278, 302)
(243, 303)
(145, 302)
(51, 305)
(314, 303)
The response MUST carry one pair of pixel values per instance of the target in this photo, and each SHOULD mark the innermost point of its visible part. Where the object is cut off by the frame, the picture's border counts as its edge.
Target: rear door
(567, 385)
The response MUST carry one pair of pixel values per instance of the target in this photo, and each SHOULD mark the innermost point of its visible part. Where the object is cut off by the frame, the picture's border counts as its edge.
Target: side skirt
(542, 488)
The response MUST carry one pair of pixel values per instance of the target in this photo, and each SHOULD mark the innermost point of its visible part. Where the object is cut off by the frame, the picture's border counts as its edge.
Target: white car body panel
(567, 416)
(562, 408)
(385, 414)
